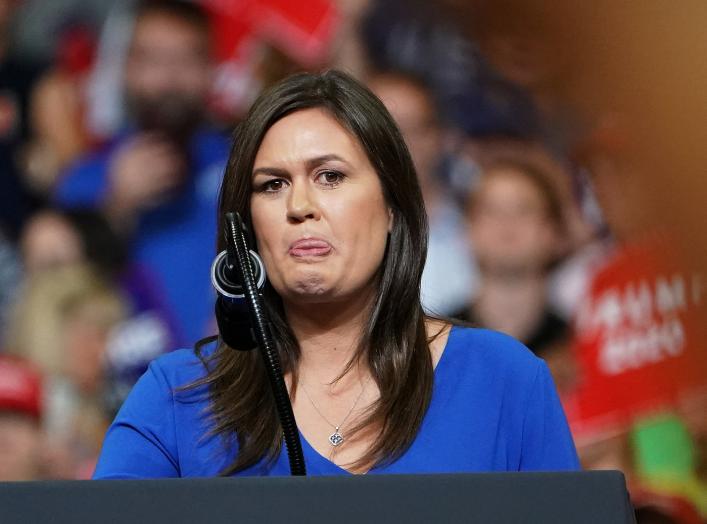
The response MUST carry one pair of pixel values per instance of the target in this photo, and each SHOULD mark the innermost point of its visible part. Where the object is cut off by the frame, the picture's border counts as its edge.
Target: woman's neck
(329, 336)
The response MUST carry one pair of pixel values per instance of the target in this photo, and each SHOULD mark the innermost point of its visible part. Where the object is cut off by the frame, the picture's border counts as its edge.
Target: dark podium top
(586, 497)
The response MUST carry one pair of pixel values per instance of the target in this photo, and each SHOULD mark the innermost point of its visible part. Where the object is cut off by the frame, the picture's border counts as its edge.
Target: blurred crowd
(115, 124)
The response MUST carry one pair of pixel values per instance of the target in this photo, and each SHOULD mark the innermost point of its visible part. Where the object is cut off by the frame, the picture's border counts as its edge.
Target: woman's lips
(310, 247)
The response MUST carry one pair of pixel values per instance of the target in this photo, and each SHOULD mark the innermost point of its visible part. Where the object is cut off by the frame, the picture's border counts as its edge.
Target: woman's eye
(330, 178)
(272, 186)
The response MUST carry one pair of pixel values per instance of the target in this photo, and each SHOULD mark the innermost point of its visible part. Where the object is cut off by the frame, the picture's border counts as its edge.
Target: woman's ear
(390, 220)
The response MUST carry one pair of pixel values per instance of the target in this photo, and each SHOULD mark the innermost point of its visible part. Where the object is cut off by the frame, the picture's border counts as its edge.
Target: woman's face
(319, 215)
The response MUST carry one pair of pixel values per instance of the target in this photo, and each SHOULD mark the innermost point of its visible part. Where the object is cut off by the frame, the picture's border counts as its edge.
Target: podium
(499, 498)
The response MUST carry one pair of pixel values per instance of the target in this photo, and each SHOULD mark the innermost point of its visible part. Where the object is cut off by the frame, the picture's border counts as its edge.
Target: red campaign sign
(636, 343)
(230, 20)
(302, 30)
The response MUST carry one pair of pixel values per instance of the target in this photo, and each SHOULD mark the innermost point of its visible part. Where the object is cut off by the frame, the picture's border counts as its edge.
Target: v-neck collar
(324, 466)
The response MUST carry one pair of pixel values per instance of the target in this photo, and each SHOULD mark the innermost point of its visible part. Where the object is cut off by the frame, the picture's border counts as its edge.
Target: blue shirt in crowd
(494, 408)
(174, 243)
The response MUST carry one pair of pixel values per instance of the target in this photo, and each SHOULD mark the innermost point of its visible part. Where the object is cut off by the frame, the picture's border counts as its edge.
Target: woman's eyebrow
(310, 165)
(319, 160)
(271, 171)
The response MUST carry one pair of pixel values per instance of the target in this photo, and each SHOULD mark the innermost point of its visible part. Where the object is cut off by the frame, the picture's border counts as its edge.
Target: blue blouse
(494, 408)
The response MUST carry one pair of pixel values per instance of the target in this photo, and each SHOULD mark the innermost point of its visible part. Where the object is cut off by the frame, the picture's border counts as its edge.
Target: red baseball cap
(20, 387)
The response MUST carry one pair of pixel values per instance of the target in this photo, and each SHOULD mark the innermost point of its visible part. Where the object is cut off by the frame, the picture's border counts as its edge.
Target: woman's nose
(301, 205)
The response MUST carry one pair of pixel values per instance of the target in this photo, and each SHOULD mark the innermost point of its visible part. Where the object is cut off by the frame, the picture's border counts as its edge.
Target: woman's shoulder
(495, 352)
(183, 366)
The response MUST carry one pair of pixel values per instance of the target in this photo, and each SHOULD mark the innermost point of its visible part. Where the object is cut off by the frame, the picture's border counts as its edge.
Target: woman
(322, 172)
(517, 225)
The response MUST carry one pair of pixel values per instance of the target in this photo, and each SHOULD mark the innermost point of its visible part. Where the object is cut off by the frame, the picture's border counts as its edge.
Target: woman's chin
(309, 289)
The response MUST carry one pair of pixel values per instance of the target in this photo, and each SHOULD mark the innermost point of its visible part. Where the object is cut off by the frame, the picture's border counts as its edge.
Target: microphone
(238, 274)
(226, 278)
(233, 313)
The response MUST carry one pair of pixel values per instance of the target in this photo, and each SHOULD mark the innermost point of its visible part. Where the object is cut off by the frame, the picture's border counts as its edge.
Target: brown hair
(554, 208)
(189, 12)
(394, 342)
(48, 299)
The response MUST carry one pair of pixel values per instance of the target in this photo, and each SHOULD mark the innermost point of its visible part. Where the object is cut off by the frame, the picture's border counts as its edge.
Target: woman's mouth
(310, 247)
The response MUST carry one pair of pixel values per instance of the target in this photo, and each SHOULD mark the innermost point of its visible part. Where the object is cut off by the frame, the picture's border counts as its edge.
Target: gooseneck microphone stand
(234, 279)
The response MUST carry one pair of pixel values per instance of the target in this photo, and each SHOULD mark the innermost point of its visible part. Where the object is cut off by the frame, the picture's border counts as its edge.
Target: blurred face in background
(168, 73)
(48, 240)
(20, 439)
(413, 111)
(510, 224)
(318, 210)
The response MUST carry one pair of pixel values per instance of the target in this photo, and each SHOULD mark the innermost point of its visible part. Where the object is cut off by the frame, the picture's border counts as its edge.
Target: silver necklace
(336, 438)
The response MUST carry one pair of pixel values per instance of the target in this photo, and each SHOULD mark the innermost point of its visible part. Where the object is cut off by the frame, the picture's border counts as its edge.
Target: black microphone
(226, 277)
(238, 275)
(233, 314)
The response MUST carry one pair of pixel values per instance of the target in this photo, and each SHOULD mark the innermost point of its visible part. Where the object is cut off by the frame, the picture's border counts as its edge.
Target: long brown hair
(394, 342)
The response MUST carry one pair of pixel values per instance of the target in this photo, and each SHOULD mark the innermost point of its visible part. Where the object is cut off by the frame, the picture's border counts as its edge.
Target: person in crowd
(322, 175)
(59, 135)
(63, 323)
(158, 180)
(59, 238)
(448, 254)
(419, 37)
(516, 224)
(69, 308)
(20, 420)
(584, 242)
